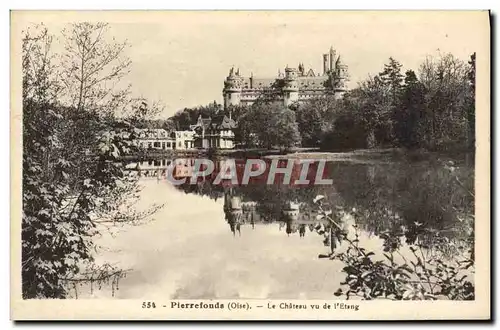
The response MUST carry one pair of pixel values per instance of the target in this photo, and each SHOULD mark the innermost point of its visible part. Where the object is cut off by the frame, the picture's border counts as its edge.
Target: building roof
(227, 123)
(310, 73)
(220, 122)
(206, 121)
(262, 82)
(307, 81)
(312, 82)
(152, 133)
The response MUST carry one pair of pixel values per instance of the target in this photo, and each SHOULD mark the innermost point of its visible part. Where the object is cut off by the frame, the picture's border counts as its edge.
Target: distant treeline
(182, 119)
(433, 109)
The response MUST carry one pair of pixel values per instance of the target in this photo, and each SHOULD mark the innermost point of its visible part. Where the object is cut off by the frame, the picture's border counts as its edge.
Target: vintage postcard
(250, 165)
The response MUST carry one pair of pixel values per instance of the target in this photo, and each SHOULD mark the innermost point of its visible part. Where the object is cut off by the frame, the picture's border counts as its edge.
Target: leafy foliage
(269, 125)
(182, 119)
(429, 109)
(404, 271)
(73, 183)
(314, 119)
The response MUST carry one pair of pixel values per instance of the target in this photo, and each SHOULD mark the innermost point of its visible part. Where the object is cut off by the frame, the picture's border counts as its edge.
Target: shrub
(424, 273)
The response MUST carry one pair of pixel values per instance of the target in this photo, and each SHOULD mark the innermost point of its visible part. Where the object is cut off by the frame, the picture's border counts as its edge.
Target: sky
(182, 58)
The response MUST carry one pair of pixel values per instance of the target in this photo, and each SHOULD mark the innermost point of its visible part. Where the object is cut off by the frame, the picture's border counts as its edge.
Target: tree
(446, 85)
(346, 130)
(182, 119)
(286, 132)
(310, 123)
(92, 63)
(408, 118)
(39, 72)
(471, 102)
(434, 110)
(73, 183)
(269, 125)
(140, 112)
(392, 77)
(38, 118)
(376, 109)
(314, 118)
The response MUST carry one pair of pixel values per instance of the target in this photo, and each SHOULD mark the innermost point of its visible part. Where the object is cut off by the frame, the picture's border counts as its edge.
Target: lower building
(155, 138)
(160, 139)
(184, 140)
(217, 133)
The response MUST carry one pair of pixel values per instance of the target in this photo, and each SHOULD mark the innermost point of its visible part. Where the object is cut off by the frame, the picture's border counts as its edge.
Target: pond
(226, 240)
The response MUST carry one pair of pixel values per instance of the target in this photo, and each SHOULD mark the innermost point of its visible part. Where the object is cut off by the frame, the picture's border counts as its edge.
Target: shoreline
(359, 155)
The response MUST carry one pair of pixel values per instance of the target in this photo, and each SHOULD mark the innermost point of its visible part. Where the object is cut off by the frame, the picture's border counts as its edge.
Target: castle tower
(332, 59)
(291, 88)
(235, 215)
(325, 64)
(291, 214)
(342, 74)
(232, 89)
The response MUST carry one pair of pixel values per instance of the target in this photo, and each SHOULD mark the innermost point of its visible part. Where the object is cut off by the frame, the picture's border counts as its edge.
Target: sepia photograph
(250, 165)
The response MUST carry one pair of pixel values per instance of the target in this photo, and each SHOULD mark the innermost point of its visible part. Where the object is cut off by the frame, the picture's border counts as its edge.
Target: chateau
(295, 85)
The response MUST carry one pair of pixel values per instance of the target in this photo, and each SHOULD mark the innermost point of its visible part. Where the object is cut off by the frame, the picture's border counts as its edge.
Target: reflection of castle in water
(377, 191)
(239, 213)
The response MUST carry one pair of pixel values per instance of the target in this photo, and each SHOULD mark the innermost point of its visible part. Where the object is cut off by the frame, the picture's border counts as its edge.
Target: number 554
(148, 304)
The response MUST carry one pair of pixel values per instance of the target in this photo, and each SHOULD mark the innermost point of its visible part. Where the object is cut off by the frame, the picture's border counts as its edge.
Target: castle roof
(312, 82)
(310, 73)
(308, 80)
(263, 82)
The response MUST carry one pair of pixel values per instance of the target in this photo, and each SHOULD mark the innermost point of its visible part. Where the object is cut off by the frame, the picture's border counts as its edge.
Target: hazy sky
(182, 58)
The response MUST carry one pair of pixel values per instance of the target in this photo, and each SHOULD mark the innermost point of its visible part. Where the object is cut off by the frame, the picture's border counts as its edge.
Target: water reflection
(239, 213)
(417, 197)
